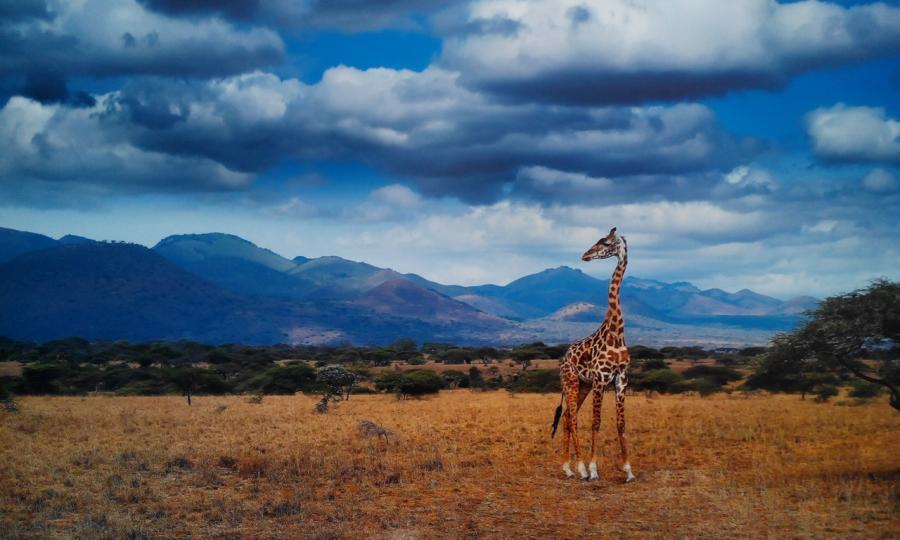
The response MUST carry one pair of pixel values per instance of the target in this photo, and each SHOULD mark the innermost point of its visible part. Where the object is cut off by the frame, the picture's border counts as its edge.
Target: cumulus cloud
(53, 147)
(622, 51)
(421, 126)
(785, 247)
(393, 202)
(662, 222)
(47, 43)
(347, 15)
(880, 181)
(854, 134)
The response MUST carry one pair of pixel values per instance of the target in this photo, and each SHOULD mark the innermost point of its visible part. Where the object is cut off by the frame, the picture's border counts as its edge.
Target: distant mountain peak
(75, 239)
(204, 237)
(194, 248)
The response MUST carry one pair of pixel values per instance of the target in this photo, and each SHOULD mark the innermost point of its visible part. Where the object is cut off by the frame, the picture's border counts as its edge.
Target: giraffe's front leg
(595, 429)
(621, 384)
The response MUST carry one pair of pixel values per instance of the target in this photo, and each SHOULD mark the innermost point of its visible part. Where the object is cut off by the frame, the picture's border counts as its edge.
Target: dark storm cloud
(420, 126)
(237, 9)
(18, 10)
(345, 15)
(39, 54)
(621, 52)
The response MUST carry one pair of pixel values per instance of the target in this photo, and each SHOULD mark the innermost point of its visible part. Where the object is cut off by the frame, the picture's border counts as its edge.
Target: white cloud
(825, 226)
(620, 51)
(397, 195)
(54, 144)
(122, 37)
(860, 134)
(419, 126)
(665, 219)
(393, 202)
(294, 207)
(745, 176)
(880, 181)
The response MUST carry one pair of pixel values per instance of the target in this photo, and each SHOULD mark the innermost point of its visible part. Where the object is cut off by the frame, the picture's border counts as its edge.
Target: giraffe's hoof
(568, 470)
(582, 470)
(594, 475)
(630, 479)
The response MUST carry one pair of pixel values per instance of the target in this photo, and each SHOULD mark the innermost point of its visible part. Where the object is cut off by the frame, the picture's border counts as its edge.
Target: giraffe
(593, 363)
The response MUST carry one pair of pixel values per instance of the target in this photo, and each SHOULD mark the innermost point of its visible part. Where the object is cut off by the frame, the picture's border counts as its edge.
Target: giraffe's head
(611, 245)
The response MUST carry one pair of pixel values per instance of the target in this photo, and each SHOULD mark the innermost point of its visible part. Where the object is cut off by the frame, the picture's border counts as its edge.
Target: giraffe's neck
(613, 322)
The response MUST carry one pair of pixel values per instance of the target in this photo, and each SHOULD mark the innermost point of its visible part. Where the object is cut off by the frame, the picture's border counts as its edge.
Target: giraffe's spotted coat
(597, 360)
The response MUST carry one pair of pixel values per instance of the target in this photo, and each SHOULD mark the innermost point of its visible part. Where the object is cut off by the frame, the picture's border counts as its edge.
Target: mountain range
(221, 288)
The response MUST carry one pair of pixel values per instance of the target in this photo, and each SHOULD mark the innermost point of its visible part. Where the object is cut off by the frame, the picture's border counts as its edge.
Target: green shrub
(389, 381)
(537, 380)
(287, 379)
(864, 389)
(721, 375)
(660, 380)
(825, 391)
(706, 387)
(653, 364)
(420, 382)
(475, 378)
(455, 379)
(43, 378)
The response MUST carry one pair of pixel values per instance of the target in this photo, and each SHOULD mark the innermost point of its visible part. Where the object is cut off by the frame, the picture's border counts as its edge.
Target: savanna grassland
(460, 464)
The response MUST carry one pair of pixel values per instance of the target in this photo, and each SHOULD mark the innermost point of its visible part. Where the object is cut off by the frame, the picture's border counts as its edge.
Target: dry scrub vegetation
(461, 464)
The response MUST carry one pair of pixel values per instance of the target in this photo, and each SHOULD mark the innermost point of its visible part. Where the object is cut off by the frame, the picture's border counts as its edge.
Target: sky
(744, 144)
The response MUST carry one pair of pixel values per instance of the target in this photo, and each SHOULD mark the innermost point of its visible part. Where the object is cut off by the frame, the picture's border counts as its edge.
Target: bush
(420, 382)
(416, 360)
(455, 356)
(287, 379)
(720, 375)
(389, 381)
(455, 379)
(410, 383)
(475, 378)
(864, 389)
(43, 378)
(645, 353)
(706, 387)
(825, 391)
(652, 364)
(660, 380)
(537, 380)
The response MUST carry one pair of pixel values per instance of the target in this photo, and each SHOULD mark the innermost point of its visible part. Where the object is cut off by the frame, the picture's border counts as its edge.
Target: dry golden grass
(462, 464)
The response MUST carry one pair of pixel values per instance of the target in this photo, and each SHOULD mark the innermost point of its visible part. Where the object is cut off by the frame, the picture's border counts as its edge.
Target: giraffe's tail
(556, 417)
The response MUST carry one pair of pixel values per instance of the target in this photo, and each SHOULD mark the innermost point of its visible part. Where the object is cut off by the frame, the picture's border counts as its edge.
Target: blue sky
(747, 144)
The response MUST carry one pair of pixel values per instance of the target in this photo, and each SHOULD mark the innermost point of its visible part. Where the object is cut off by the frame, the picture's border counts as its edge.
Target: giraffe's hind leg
(575, 392)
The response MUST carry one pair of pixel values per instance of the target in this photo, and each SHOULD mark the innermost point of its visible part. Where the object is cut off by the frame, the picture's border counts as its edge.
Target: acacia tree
(855, 333)
(337, 382)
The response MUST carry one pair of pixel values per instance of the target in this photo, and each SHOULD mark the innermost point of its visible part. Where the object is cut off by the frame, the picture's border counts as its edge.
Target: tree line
(850, 339)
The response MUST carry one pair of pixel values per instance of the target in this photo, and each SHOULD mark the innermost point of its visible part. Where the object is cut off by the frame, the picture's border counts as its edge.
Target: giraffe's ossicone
(594, 362)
